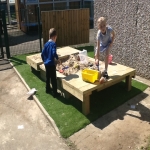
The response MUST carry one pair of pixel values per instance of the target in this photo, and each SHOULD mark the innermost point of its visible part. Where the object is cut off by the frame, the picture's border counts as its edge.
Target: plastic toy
(61, 71)
(110, 59)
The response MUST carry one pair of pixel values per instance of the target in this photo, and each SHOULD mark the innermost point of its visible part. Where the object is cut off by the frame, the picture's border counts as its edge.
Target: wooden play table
(81, 89)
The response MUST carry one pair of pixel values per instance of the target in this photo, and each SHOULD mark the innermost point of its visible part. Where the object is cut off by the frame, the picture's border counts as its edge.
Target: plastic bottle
(83, 56)
(110, 59)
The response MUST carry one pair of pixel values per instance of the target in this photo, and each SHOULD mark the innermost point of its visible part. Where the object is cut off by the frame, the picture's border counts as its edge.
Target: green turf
(147, 146)
(90, 50)
(67, 113)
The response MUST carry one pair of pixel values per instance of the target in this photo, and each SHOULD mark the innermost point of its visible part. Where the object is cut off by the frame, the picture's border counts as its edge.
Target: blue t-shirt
(105, 39)
(49, 53)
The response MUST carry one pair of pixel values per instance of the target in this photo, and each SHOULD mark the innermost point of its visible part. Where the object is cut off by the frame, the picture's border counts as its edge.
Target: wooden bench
(82, 90)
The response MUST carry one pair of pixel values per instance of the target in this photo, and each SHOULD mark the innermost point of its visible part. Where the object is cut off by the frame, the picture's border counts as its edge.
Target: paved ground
(16, 110)
(22, 43)
(122, 129)
(4, 64)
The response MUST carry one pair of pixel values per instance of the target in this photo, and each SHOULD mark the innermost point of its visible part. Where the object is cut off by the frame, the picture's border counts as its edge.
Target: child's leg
(105, 74)
(53, 79)
(95, 56)
(47, 78)
(95, 52)
(106, 58)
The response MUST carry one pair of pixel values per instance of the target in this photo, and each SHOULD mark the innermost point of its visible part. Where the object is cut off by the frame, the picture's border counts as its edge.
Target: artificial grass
(147, 146)
(90, 50)
(67, 114)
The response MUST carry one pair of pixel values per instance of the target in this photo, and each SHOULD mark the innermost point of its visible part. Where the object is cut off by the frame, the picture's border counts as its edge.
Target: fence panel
(72, 26)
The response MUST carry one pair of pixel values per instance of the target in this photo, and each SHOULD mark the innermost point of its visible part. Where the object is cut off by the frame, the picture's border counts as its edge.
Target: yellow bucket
(90, 75)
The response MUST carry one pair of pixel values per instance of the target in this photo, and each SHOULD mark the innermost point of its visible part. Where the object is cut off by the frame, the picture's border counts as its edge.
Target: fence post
(39, 28)
(1, 45)
(5, 34)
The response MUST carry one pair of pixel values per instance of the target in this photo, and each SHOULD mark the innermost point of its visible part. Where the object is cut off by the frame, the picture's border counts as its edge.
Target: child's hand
(59, 61)
(97, 61)
(110, 45)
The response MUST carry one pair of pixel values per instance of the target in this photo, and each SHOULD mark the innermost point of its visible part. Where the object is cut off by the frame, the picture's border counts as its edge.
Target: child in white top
(105, 39)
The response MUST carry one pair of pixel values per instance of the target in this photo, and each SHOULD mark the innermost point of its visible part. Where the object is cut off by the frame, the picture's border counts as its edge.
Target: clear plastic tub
(83, 57)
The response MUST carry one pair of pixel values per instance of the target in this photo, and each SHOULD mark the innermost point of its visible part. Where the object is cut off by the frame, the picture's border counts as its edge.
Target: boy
(105, 39)
(48, 56)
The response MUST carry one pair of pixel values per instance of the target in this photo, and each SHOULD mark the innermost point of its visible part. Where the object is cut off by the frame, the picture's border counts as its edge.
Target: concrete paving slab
(16, 110)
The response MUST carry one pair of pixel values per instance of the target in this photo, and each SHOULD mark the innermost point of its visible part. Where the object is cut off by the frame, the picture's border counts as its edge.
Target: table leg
(32, 69)
(128, 82)
(86, 105)
(64, 93)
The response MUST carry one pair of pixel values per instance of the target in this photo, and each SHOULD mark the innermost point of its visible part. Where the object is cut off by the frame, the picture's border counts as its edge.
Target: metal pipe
(39, 28)
(5, 34)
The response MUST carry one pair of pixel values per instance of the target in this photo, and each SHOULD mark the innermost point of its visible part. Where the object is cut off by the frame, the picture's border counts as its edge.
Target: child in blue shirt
(105, 39)
(49, 55)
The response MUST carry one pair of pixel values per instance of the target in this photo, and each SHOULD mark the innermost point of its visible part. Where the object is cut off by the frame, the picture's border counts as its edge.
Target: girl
(105, 39)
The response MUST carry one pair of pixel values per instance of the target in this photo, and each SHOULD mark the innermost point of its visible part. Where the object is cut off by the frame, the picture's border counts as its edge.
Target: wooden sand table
(74, 84)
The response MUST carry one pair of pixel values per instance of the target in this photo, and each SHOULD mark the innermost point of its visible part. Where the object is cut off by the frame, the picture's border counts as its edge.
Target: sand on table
(71, 64)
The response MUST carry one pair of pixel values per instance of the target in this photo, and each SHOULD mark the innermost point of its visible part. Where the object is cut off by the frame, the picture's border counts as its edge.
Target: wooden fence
(72, 26)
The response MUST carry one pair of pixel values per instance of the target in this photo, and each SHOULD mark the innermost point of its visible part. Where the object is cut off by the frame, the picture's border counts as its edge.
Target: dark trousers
(1, 29)
(51, 77)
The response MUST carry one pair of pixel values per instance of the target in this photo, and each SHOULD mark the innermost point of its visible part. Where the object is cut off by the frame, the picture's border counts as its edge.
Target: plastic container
(90, 75)
(84, 52)
(110, 59)
(83, 57)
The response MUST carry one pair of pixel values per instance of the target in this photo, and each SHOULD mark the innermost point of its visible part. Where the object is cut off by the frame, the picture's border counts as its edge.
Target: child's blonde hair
(101, 20)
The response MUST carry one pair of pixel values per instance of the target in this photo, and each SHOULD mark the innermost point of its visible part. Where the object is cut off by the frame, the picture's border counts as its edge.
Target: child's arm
(98, 49)
(55, 53)
(113, 37)
(42, 55)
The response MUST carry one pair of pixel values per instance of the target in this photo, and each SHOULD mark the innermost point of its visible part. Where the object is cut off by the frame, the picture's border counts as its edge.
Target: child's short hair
(101, 20)
(52, 32)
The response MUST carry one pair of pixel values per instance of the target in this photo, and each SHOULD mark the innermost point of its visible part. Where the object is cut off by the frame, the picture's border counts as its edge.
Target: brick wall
(131, 22)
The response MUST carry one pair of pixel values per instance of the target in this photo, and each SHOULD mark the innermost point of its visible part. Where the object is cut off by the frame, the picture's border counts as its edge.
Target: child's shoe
(48, 91)
(105, 75)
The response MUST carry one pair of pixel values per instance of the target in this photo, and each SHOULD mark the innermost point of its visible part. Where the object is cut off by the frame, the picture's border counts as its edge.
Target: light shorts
(103, 51)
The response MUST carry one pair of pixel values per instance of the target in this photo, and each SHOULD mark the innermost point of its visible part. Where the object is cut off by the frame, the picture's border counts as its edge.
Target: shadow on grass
(71, 101)
(17, 61)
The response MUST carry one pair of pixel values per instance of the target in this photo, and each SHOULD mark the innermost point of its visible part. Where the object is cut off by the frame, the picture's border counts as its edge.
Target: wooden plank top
(36, 58)
(62, 52)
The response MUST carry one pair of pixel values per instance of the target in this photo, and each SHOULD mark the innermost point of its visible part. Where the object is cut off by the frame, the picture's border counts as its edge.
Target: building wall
(131, 22)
